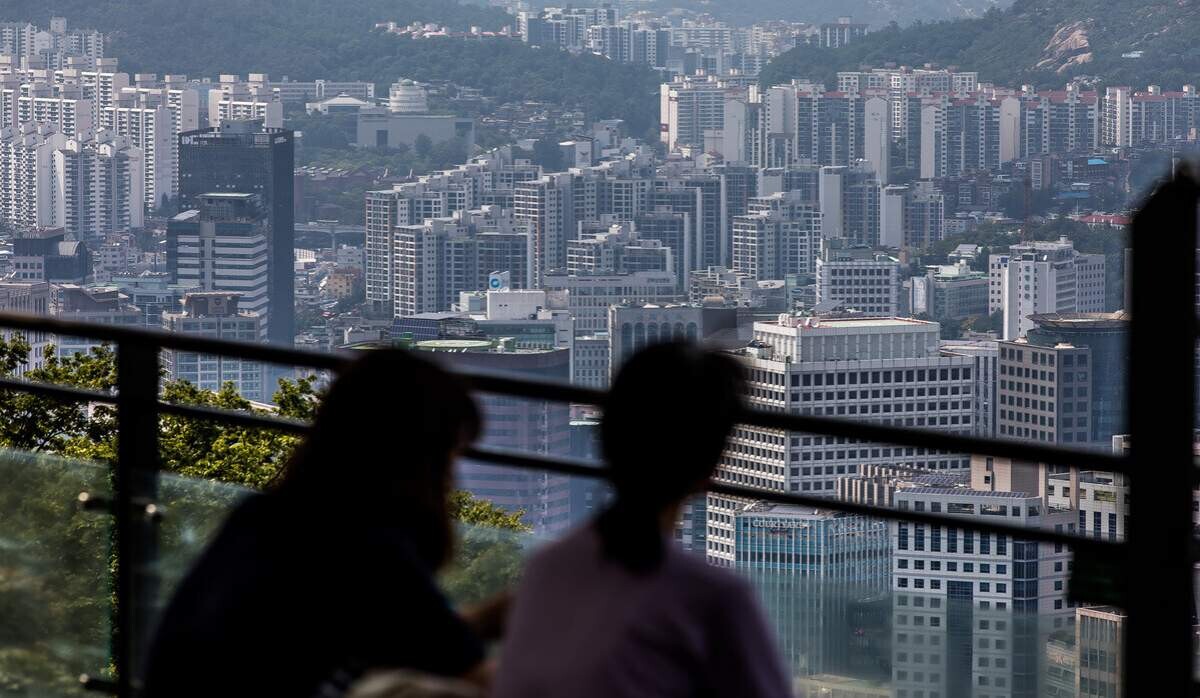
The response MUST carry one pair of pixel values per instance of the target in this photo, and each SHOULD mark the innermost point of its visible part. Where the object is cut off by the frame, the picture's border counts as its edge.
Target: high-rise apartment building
(849, 202)
(779, 236)
(433, 262)
(405, 204)
(246, 157)
(545, 205)
(88, 187)
(1044, 277)
(911, 216)
(960, 136)
(694, 106)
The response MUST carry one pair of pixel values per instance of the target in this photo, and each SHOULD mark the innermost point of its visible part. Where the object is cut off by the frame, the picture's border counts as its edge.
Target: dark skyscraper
(244, 157)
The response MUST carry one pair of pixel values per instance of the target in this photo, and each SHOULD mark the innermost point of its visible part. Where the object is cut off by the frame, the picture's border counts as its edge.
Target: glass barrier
(55, 587)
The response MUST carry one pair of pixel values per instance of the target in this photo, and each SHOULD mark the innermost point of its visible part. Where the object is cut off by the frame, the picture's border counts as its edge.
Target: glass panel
(193, 512)
(858, 610)
(55, 586)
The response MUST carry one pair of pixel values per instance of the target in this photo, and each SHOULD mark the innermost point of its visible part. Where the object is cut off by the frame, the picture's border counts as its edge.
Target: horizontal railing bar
(927, 438)
(66, 393)
(236, 417)
(533, 389)
(595, 470)
(861, 431)
(116, 334)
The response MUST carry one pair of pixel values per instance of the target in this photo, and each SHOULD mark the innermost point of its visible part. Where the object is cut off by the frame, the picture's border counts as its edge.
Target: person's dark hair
(666, 420)
(381, 448)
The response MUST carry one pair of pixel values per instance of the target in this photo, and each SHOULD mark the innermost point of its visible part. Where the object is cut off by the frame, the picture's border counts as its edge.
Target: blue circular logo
(494, 283)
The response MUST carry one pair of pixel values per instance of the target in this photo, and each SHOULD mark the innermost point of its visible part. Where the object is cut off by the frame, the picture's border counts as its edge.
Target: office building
(985, 354)
(815, 573)
(635, 326)
(1100, 650)
(246, 157)
(949, 292)
(859, 279)
(104, 305)
(538, 427)
(881, 370)
(1065, 381)
(215, 315)
(974, 599)
(45, 255)
(224, 245)
(591, 295)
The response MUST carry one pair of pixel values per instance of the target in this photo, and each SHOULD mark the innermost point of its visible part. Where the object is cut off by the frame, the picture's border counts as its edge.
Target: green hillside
(1043, 42)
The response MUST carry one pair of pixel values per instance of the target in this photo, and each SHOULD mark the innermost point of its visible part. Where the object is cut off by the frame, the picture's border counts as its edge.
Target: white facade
(589, 296)
(152, 129)
(1044, 277)
(870, 285)
(89, 187)
(881, 370)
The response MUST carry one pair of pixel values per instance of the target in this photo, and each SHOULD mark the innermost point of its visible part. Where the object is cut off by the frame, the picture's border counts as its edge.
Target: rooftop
(956, 492)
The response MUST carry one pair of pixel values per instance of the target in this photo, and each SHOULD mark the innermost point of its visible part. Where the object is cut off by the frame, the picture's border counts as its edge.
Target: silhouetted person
(616, 608)
(330, 572)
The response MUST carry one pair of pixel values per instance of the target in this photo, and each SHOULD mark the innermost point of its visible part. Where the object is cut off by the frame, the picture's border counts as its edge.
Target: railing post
(1158, 639)
(134, 489)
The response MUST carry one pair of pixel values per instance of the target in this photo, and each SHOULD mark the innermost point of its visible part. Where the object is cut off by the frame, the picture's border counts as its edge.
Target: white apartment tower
(1044, 277)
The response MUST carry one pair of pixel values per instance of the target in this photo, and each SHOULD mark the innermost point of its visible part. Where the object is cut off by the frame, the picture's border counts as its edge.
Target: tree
(55, 585)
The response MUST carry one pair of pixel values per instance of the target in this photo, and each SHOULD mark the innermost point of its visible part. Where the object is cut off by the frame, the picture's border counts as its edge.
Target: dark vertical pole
(1158, 641)
(134, 487)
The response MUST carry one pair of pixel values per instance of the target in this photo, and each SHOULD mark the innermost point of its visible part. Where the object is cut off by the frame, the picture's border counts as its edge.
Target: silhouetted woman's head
(382, 447)
(666, 420)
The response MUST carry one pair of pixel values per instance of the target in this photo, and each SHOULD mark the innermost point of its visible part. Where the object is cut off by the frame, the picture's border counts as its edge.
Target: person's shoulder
(705, 579)
(566, 553)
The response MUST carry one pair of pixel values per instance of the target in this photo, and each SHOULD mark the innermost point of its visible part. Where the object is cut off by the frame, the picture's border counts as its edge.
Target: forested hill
(1043, 42)
(877, 13)
(308, 39)
(293, 37)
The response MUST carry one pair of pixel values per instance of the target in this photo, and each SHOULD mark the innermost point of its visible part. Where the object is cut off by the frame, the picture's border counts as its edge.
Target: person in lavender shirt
(616, 608)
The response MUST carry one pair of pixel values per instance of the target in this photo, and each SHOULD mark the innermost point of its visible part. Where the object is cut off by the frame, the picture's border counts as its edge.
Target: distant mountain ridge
(1042, 42)
(877, 13)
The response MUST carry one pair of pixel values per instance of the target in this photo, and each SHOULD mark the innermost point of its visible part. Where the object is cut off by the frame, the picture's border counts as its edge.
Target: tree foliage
(1009, 46)
(55, 574)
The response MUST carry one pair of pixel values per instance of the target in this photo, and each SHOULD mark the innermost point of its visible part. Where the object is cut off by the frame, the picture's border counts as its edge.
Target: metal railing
(1158, 598)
